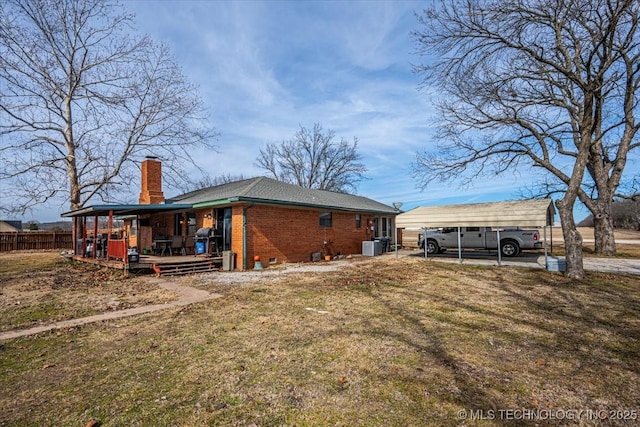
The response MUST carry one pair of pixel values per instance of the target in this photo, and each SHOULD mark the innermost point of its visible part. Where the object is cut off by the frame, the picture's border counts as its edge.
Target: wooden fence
(35, 240)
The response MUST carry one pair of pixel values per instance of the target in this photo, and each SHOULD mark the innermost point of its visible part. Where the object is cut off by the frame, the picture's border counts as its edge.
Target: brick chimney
(151, 182)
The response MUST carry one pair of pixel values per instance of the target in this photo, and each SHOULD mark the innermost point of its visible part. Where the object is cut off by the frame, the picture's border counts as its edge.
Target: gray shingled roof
(268, 190)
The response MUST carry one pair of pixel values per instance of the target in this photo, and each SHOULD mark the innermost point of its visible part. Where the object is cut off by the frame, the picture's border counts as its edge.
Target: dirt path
(187, 295)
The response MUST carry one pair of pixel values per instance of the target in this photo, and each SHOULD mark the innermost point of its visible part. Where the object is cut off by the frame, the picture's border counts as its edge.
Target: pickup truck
(512, 241)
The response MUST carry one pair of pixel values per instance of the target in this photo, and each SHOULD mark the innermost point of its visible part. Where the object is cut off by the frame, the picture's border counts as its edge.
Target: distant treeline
(626, 215)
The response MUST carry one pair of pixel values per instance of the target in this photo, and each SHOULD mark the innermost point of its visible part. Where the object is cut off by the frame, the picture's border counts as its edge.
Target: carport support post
(424, 239)
(459, 247)
(498, 239)
(396, 241)
(546, 265)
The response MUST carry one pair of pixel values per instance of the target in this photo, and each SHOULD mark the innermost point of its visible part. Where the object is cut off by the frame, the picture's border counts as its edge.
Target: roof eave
(101, 210)
(299, 204)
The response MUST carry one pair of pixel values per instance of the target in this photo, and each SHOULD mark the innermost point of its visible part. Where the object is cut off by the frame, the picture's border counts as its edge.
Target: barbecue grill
(202, 239)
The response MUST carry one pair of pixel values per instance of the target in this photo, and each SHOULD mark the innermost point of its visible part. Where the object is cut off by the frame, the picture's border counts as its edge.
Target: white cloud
(264, 68)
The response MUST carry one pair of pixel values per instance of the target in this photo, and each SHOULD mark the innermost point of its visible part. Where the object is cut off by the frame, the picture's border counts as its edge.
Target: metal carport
(523, 213)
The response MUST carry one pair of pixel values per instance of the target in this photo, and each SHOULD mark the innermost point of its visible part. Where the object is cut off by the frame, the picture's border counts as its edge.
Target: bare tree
(84, 100)
(546, 84)
(209, 181)
(314, 160)
(626, 214)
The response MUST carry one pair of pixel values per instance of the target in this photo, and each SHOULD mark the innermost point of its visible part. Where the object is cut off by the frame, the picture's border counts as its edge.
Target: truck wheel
(509, 248)
(432, 247)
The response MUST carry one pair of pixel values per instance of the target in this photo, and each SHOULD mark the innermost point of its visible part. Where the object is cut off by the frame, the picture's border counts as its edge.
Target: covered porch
(154, 237)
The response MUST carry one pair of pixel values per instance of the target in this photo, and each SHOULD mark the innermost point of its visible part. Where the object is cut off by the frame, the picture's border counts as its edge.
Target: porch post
(109, 228)
(74, 233)
(95, 236)
(84, 236)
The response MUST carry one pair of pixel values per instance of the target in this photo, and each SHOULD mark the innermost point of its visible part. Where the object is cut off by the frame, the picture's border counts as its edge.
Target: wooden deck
(161, 265)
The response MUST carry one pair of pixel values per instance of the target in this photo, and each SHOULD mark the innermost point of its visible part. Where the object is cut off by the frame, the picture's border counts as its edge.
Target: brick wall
(151, 182)
(291, 235)
(237, 237)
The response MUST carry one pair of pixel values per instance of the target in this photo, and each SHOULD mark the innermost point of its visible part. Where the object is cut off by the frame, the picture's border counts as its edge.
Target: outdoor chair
(190, 246)
(176, 245)
(156, 248)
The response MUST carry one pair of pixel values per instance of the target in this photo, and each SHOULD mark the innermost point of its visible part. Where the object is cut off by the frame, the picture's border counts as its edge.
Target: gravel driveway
(529, 260)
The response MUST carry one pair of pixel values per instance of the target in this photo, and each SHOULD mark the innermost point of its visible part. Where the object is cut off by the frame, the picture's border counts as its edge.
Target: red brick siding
(151, 182)
(291, 235)
(237, 239)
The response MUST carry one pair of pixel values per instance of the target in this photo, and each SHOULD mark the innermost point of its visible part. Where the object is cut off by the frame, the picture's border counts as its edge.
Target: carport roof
(523, 213)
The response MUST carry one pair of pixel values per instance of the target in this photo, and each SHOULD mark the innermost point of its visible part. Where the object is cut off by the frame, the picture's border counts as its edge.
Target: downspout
(244, 236)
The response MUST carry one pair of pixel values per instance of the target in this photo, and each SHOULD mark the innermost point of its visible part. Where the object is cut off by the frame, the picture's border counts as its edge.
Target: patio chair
(190, 245)
(156, 248)
(176, 245)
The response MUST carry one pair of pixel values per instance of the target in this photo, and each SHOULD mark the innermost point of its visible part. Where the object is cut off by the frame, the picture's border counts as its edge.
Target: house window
(325, 219)
(191, 224)
(358, 221)
(386, 225)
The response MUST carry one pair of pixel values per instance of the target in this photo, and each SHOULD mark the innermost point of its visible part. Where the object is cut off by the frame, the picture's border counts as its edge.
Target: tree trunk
(605, 243)
(572, 240)
(71, 163)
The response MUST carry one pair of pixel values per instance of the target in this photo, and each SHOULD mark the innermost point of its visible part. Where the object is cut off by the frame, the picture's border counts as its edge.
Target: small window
(325, 219)
(191, 224)
(358, 221)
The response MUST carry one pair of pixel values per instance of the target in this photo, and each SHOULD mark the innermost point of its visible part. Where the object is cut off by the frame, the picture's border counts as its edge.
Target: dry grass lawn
(37, 288)
(380, 343)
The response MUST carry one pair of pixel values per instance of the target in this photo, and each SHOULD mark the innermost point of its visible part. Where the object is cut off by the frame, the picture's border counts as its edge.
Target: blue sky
(264, 68)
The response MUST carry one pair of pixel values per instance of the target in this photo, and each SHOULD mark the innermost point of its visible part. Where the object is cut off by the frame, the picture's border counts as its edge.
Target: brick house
(276, 221)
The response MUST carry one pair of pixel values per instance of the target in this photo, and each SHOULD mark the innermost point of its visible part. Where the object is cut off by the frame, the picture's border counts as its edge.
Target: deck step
(180, 268)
